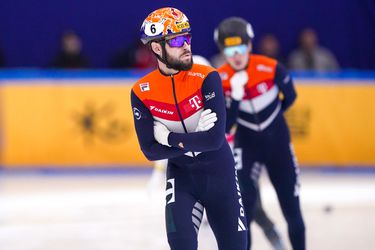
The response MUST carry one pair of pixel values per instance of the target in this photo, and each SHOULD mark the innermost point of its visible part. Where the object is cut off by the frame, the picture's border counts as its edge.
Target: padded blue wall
(30, 30)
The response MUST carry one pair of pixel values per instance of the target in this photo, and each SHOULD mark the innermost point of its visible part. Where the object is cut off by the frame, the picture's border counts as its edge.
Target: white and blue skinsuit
(262, 138)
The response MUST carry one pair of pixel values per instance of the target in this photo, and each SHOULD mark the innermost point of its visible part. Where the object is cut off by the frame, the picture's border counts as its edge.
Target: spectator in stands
(135, 56)
(70, 55)
(311, 56)
(269, 46)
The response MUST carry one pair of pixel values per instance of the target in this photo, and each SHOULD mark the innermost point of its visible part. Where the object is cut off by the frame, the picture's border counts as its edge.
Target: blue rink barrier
(303, 118)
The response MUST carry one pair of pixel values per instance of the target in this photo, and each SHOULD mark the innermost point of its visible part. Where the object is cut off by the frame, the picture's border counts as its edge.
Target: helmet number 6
(152, 28)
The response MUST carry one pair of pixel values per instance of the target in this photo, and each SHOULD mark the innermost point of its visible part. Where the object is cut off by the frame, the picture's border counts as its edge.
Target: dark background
(30, 29)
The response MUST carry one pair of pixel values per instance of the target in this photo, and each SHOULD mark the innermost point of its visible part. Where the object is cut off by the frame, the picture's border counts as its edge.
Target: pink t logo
(195, 102)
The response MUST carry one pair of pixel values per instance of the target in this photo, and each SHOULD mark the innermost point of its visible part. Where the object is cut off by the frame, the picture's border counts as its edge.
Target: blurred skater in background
(252, 86)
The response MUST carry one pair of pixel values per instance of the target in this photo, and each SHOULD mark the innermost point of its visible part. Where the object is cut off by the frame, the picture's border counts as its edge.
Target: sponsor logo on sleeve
(209, 96)
(286, 79)
(137, 113)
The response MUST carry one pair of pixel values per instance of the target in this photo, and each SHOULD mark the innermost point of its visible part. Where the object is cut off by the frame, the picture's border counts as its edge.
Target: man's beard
(179, 64)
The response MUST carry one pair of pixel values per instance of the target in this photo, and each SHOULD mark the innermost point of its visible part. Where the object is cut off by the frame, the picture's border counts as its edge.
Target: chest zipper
(178, 108)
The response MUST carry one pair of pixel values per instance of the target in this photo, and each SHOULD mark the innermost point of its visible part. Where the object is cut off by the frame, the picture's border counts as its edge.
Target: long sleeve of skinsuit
(232, 114)
(285, 83)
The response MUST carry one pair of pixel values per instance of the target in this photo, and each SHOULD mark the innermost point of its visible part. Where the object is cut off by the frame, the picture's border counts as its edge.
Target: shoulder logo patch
(145, 86)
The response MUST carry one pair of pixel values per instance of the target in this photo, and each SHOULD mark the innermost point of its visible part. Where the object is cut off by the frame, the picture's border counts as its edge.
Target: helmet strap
(162, 58)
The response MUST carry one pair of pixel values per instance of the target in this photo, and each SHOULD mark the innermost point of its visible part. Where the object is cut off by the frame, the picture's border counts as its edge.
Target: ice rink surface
(116, 211)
